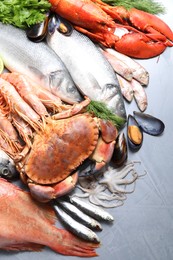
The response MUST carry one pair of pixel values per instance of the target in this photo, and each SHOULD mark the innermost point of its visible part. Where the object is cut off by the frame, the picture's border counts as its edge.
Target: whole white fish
(91, 72)
(37, 61)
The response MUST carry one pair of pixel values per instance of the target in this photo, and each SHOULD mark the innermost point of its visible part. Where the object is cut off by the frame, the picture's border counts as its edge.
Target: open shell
(134, 134)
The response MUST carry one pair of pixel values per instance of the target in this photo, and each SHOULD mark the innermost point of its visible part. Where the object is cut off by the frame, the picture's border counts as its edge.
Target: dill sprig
(99, 109)
(149, 6)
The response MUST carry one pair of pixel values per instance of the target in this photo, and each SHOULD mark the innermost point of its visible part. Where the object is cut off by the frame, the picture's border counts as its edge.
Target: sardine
(93, 211)
(75, 227)
(37, 61)
(7, 167)
(90, 70)
(79, 215)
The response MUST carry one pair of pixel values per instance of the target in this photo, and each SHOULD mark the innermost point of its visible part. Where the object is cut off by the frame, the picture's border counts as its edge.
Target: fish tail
(68, 244)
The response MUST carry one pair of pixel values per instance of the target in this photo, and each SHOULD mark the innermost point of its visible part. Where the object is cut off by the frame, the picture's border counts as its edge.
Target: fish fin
(39, 74)
(23, 246)
(73, 245)
(93, 79)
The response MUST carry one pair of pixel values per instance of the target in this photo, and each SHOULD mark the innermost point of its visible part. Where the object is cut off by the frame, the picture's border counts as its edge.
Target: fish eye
(5, 172)
(71, 89)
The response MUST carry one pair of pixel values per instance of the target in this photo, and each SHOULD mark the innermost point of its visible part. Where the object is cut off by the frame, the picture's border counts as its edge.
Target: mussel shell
(58, 23)
(86, 168)
(38, 32)
(120, 153)
(149, 124)
(131, 121)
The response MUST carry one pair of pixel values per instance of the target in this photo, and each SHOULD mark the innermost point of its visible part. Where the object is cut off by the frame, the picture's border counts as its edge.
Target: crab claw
(44, 193)
(102, 154)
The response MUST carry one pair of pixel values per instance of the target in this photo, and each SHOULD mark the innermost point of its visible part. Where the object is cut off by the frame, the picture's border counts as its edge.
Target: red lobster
(142, 35)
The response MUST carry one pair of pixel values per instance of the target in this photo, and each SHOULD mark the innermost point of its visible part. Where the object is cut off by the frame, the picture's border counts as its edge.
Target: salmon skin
(28, 225)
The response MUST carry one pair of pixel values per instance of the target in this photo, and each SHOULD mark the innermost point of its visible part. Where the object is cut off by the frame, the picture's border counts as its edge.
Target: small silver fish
(37, 61)
(90, 70)
(92, 210)
(76, 227)
(7, 167)
(79, 215)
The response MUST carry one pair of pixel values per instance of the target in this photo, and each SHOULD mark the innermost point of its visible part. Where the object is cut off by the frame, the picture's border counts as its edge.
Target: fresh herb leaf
(149, 6)
(23, 13)
(100, 110)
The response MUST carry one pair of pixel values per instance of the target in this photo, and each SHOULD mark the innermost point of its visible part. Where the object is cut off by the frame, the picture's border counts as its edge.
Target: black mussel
(38, 32)
(120, 153)
(87, 168)
(149, 124)
(134, 134)
(58, 23)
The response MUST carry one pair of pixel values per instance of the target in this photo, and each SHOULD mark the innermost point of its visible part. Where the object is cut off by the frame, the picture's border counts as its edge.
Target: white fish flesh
(90, 70)
(37, 61)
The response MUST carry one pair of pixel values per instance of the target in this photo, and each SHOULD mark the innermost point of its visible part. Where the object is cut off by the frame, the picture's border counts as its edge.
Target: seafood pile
(56, 69)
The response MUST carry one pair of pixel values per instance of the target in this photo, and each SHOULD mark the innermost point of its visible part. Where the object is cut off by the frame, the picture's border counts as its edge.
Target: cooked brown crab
(55, 145)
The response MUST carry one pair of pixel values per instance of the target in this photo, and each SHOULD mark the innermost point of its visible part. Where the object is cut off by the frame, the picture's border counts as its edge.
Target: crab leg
(46, 193)
(75, 109)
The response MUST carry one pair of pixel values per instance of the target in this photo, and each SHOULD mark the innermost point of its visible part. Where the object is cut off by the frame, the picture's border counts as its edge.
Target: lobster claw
(137, 45)
(156, 28)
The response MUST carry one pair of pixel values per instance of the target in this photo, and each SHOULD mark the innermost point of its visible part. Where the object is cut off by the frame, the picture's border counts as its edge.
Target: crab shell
(60, 148)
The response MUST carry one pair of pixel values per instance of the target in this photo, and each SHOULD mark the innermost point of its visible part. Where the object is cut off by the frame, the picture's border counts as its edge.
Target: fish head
(112, 97)
(62, 85)
(7, 169)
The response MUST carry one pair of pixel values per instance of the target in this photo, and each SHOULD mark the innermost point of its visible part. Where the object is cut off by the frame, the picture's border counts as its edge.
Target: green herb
(23, 13)
(149, 6)
(100, 110)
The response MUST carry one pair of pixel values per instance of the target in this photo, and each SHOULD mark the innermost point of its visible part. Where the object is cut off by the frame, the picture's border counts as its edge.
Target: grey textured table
(143, 227)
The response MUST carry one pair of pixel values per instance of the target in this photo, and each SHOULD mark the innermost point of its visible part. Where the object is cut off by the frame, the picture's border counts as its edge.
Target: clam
(134, 134)
(38, 32)
(120, 151)
(149, 124)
